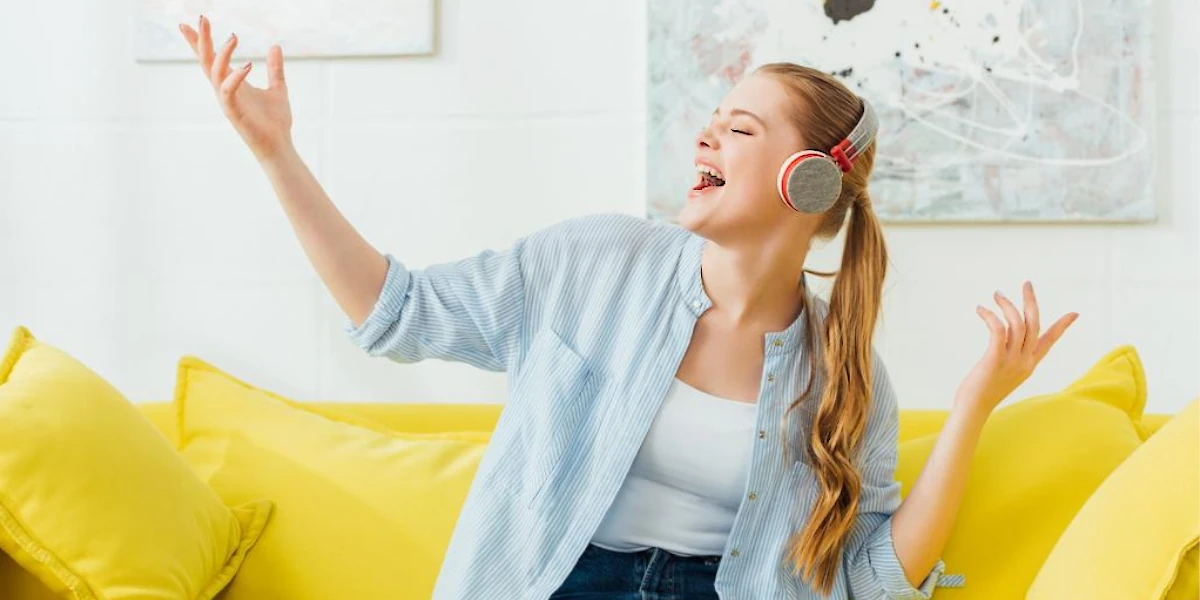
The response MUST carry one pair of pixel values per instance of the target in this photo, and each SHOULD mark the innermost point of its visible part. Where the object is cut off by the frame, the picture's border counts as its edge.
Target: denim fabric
(652, 574)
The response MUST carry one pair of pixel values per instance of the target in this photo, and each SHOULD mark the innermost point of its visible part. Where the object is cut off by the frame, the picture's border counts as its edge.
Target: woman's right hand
(263, 117)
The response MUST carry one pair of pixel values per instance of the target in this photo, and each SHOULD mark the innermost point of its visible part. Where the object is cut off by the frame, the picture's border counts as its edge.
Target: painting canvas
(991, 110)
(313, 28)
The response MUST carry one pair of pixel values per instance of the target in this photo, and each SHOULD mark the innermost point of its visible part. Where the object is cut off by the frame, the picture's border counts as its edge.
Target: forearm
(922, 525)
(351, 268)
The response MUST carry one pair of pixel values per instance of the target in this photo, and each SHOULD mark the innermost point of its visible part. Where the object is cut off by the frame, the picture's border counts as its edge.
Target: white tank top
(687, 481)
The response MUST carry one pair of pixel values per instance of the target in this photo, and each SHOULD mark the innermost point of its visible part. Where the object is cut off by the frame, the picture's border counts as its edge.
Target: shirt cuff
(387, 307)
(883, 559)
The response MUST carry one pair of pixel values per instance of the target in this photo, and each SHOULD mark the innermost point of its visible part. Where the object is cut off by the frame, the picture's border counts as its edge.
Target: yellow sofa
(1073, 494)
(420, 417)
(434, 418)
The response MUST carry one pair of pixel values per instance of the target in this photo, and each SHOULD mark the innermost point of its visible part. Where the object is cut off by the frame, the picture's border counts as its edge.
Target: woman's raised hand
(262, 117)
(1015, 347)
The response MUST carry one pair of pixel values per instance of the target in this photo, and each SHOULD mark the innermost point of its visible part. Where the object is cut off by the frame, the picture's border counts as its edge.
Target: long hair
(825, 112)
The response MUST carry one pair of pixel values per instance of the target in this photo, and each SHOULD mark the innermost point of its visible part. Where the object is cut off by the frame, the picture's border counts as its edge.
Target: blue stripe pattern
(591, 318)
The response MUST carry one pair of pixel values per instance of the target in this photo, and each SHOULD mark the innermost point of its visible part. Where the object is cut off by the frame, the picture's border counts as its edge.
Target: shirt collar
(691, 289)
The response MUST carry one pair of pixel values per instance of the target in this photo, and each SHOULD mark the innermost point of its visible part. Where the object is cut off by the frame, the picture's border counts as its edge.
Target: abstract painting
(994, 110)
(313, 28)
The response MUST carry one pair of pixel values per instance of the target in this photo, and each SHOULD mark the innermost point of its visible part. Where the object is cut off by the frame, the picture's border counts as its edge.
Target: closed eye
(740, 131)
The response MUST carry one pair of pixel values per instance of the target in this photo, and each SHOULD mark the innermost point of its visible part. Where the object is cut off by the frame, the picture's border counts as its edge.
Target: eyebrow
(739, 111)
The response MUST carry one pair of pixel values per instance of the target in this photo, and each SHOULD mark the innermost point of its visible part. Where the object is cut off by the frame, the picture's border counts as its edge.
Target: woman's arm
(353, 271)
(469, 310)
(922, 525)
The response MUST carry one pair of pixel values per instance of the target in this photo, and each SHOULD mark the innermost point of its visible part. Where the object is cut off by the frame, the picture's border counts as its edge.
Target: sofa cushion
(1037, 462)
(94, 503)
(1131, 543)
(361, 512)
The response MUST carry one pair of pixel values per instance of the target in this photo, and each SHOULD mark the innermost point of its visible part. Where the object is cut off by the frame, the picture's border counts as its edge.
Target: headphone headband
(860, 137)
(810, 181)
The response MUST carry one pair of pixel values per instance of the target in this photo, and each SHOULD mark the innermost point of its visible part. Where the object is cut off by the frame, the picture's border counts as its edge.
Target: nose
(704, 139)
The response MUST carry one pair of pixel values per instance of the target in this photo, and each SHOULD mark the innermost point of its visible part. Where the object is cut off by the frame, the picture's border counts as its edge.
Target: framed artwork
(308, 29)
(990, 110)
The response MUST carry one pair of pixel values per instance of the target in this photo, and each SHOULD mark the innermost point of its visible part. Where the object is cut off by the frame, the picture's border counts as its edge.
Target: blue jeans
(652, 574)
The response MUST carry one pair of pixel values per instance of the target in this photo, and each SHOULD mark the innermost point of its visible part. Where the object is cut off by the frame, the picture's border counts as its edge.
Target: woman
(686, 420)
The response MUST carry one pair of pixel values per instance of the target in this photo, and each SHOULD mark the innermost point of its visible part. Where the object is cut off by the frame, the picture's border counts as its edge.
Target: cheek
(756, 176)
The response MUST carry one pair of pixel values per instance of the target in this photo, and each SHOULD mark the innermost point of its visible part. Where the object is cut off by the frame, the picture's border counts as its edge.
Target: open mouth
(709, 177)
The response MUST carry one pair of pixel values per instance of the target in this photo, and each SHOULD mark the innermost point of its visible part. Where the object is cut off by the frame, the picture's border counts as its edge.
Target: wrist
(279, 157)
(969, 411)
(278, 154)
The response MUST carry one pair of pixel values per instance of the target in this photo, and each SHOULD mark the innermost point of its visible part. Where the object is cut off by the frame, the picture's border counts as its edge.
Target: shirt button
(734, 552)
(770, 377)
(695, 304)
(753, 496)
(762, 434)
(778, 343)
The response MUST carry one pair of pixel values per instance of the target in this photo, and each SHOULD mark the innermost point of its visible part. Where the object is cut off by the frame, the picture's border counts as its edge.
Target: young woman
(686, 418)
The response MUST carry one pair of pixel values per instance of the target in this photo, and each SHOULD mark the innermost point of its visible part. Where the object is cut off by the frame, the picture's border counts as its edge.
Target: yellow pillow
(94, 503)
(361, 512)
(1036, 463)
(19, 584)
(1187, 579)
(1132, 535)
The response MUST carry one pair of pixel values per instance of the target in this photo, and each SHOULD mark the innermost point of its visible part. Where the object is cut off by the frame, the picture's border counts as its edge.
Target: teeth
(709, 171)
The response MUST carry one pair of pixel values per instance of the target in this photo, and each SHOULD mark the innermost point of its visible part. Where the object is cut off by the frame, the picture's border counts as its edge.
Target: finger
(1016, 325)
(1056, 330)
(204, 47)
(1032, 319)
(230, 85)
(275, 78)
(190, 35)
(995, 326)
(220, 67)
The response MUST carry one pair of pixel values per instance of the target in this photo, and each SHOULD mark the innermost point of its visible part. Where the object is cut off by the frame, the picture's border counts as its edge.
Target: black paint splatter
(844, 10)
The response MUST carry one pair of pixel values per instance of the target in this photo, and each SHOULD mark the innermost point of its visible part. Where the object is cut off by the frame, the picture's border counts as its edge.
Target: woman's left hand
(1012, 354)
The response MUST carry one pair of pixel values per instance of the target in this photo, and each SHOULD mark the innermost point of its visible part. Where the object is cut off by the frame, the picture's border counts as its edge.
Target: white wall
(135, 228)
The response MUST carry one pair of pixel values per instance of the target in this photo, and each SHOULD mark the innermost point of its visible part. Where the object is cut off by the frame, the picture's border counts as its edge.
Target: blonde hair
(825, 111)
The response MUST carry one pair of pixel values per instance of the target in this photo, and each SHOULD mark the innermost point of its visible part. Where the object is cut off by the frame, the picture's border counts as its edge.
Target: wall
(135, 227)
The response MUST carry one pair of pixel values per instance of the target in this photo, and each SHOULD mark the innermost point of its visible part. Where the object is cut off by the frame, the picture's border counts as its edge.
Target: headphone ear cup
(810, 182)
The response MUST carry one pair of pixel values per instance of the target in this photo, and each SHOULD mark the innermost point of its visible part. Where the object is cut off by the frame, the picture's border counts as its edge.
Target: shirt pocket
(555, 397)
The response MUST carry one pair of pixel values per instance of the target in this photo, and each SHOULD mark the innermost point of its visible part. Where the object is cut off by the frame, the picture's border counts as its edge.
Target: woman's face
(738, 156)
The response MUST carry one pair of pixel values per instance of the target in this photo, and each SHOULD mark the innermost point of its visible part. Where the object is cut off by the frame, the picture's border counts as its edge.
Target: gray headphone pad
(814, 185)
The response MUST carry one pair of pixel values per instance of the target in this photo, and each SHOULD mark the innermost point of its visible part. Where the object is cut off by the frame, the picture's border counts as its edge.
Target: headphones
(810, 181)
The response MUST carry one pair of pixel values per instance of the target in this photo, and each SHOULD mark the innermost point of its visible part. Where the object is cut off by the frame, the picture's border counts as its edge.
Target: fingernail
(229, 39)
(247, 65)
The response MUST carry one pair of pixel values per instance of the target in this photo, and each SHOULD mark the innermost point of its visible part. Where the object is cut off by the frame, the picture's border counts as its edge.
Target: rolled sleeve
(880, 568)
(469, 310)
(386, 310)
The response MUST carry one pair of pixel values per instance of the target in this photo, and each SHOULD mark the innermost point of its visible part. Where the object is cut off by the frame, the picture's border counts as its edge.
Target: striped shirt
(591, 318)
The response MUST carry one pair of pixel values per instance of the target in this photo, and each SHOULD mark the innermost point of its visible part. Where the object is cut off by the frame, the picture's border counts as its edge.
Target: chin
(703, 214)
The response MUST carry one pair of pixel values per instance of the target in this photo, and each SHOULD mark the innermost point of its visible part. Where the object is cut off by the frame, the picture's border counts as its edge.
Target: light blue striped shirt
(591, 318)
